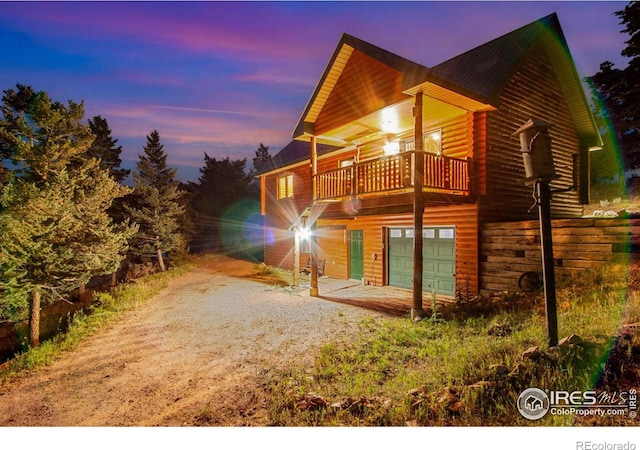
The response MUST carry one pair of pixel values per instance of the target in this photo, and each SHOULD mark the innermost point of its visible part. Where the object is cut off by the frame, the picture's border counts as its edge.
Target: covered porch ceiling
(396, 120)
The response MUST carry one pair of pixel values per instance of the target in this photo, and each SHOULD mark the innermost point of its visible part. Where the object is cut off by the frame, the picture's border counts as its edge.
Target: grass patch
(467, 370)
(106, 308)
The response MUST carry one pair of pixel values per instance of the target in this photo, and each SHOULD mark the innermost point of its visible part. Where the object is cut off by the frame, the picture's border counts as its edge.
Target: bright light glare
(392, 148)
(305, 233)
(389, 122)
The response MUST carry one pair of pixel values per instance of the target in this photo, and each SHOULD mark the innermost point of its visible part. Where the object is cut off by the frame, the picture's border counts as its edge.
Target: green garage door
(438, 253)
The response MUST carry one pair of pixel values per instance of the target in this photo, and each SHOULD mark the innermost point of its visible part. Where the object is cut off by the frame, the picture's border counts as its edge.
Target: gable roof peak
(484, 69)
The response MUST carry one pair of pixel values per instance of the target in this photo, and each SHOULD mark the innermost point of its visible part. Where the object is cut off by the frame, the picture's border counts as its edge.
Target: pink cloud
(206, 27)
(186, 127)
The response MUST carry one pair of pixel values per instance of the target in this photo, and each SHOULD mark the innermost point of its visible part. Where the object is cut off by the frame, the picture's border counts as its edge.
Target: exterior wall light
(305, 233)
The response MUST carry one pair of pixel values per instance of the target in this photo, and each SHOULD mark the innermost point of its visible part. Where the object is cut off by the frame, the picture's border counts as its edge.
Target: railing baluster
(393, 172)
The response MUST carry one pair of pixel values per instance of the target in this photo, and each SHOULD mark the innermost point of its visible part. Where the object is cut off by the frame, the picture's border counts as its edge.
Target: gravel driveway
(194, 354)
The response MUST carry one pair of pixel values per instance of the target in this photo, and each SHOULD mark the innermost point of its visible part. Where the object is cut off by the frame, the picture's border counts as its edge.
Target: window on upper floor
(432, 142)
(347, 162)
(285, 186)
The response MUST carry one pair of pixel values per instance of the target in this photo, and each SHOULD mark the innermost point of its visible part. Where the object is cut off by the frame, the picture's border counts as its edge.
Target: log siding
(533, 91)
(511, 248)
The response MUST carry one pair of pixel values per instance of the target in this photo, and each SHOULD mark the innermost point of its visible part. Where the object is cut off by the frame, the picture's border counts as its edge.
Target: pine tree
(262, 157)
(619, 91)
(15, 103)
(104, 148)
(55, 233)
(155, 205)
(222, 204)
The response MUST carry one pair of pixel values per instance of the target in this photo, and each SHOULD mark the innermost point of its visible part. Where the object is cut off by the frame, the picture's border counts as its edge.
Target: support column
(296, 258)
(313, 243)
(418, 209)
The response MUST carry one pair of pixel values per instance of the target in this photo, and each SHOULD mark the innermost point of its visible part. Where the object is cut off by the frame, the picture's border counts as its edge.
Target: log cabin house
(387, 146)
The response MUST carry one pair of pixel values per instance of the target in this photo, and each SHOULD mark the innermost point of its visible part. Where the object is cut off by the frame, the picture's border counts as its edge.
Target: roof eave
(453, 95)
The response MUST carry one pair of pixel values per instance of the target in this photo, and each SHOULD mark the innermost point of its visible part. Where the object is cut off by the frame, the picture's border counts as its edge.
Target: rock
(533, 353)
(573, 339)
(483, 384)
(455, 408)
(339, 405)
(518, 370)
(499, 369)
(448, 396)
(358, 406)
(310, 401)
(415, 392)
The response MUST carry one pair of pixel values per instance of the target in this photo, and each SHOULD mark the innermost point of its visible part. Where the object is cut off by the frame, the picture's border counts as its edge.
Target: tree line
(616, 96)
(66, 216)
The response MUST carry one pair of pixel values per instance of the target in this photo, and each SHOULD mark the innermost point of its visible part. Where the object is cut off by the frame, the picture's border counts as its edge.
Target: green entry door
(438, 252)
(356, 254)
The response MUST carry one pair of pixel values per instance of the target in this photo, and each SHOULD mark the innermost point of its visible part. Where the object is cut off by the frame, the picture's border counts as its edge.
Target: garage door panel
(429, 267)
(445, 286)
(438, 258)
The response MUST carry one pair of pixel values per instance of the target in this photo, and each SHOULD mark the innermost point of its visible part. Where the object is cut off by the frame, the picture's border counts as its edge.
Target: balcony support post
(313, 242)
(418, 210)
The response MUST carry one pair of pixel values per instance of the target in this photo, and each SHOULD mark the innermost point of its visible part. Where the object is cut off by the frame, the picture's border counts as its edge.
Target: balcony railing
(394, 173)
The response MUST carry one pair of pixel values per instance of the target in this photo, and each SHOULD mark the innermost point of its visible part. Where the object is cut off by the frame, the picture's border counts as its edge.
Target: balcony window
(432, 142)
(285, 186)
(347, 162)
(392, 148)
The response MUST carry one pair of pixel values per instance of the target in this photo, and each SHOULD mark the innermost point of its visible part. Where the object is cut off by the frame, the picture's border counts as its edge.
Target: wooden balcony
(394, 174)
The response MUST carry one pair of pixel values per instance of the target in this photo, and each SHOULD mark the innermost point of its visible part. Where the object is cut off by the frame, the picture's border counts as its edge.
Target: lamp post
(535, 145)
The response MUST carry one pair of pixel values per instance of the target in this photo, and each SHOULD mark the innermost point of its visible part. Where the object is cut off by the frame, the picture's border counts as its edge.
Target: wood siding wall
(533, 91)
(376, 83)
(280, 214)
(335, 249)
(509, 249)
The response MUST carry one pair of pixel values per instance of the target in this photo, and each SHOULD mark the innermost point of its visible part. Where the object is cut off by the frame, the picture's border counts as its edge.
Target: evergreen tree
(155, 204)
(619, 92)
(55, 233)
(262, 157)
(223, 204)
(15, 104)
(104, 148)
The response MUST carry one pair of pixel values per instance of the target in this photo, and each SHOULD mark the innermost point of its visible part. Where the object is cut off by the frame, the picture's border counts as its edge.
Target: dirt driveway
(192, 355)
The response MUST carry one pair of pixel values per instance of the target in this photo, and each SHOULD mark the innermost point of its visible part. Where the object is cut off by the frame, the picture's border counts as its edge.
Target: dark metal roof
(294, 152)
(485, 69)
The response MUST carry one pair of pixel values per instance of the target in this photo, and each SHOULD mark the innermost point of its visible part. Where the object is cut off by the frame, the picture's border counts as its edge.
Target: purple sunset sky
(222, 77)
